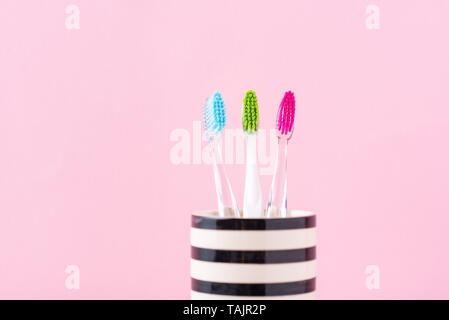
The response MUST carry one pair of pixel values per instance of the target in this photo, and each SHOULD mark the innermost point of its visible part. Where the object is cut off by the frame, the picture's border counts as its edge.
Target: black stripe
(253, 224)
(270, 256)
(254, 289)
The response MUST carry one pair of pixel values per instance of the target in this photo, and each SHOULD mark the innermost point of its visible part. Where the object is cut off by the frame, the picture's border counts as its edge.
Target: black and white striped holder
(267, 258)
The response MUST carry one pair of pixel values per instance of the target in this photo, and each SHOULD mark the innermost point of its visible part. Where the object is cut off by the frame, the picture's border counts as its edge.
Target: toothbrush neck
(281, 163)
(227, 206)
(277, 204)
(251, 149)
(282, 152)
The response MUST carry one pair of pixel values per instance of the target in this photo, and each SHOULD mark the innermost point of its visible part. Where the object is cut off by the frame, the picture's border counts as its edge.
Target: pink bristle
(286, 114)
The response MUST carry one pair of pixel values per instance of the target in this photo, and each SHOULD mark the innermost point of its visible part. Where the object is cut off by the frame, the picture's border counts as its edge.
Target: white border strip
(253, 239)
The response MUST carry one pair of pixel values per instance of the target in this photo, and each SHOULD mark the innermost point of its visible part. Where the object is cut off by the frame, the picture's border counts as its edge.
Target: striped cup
(267, 258)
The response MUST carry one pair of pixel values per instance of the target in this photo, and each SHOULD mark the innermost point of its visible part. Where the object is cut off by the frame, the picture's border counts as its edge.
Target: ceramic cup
(266, 258)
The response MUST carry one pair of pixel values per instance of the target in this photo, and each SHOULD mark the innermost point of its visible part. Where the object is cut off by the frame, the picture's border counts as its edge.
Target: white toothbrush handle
(277, 203)
(252, 201)
(227, 205)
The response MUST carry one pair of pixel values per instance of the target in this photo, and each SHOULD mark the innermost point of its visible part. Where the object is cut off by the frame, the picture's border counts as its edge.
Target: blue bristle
(214, 115)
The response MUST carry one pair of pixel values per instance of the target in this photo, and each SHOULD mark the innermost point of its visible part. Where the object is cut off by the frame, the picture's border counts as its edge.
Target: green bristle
(250, 118)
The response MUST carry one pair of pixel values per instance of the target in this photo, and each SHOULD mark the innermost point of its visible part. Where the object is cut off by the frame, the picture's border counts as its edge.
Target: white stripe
(252, 273)
(194, 295)
(253, 239)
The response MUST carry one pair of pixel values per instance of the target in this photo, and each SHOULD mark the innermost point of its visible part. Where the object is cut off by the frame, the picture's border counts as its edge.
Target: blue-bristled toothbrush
(214, 121)
(252, 200)
(277, 203)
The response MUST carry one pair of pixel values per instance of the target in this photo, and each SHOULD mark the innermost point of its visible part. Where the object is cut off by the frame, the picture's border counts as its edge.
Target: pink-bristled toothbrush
(277, 203)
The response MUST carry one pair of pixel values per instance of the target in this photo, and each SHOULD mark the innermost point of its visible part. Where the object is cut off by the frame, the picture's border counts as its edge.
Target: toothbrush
(214, 121)
(252, 201)
(277, 203)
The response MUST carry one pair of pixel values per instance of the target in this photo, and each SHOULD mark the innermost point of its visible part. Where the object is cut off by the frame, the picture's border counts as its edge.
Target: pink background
(86, 115)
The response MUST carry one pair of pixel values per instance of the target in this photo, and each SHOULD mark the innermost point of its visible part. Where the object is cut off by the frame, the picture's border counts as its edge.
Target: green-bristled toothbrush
(252, 201)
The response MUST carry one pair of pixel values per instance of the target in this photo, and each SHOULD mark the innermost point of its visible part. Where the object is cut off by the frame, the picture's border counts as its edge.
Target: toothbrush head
(250, 117)
(214, 115)
(286, 116)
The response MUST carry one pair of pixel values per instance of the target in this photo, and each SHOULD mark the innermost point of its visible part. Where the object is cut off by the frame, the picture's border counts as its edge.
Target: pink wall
(86, 115)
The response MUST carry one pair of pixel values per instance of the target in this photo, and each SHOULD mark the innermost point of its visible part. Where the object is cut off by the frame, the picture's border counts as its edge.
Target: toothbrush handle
(252, 199)
(227, 205)
(277, 203)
